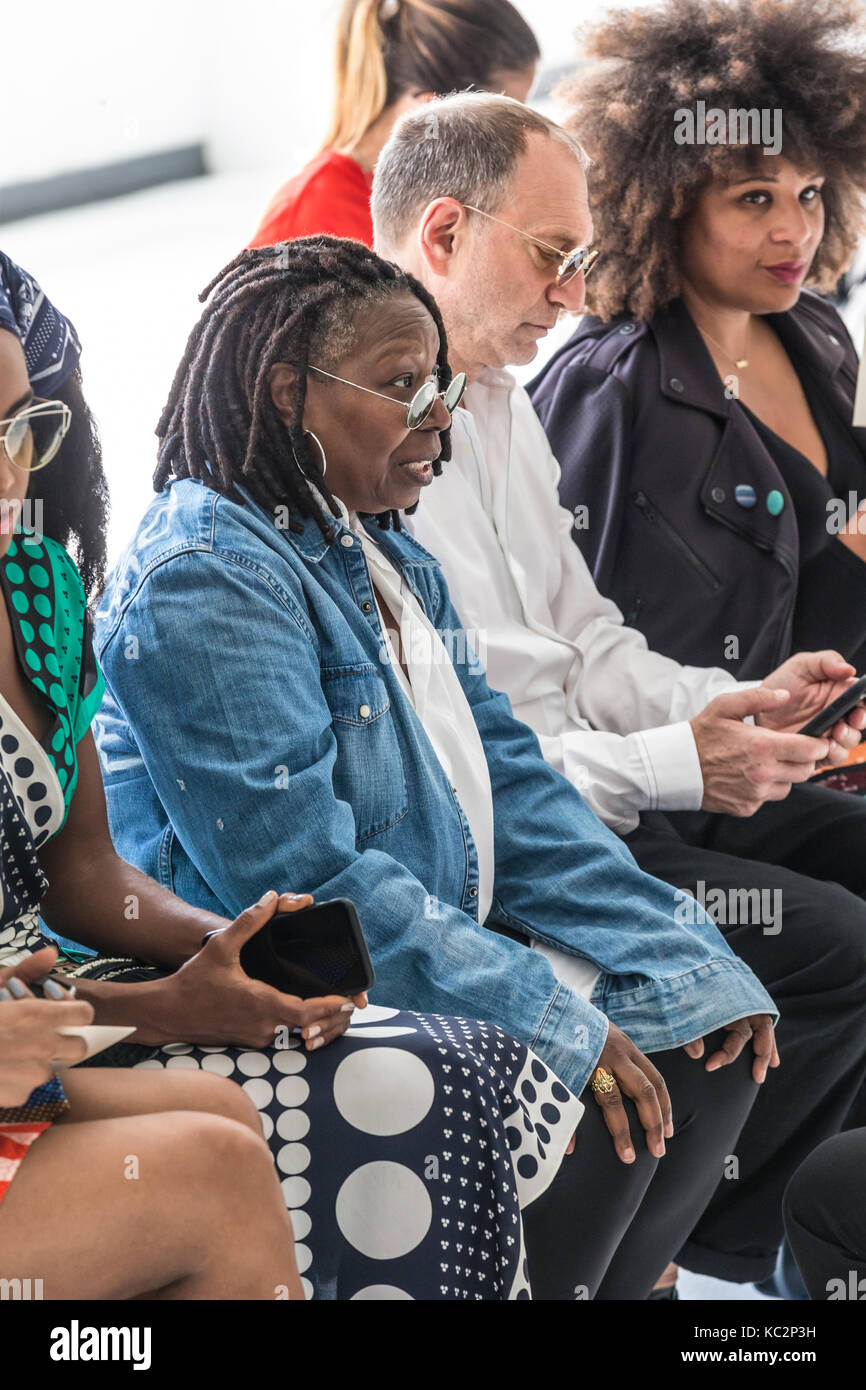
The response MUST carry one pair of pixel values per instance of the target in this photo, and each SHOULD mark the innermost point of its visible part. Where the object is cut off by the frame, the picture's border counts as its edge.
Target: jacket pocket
(368, 771)
(651, 513)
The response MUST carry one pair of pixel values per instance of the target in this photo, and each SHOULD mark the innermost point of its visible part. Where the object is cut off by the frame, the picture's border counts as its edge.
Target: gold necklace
(739, 362)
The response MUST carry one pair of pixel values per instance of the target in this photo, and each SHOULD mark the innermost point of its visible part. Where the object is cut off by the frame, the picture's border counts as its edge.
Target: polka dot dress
(406, 1150)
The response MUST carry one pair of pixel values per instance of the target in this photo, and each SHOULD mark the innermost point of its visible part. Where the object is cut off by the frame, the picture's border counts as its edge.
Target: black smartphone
(826, 718)
(315, 951)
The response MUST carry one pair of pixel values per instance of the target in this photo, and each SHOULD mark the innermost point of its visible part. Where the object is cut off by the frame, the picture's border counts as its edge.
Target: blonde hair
(360, 81)
(386, 48)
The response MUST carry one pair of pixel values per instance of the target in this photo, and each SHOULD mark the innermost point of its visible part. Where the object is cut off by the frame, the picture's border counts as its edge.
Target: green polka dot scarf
(51, 630)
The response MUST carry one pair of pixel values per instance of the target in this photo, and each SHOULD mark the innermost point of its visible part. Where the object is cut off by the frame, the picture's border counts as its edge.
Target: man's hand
(744, 765)
(212, 1002)
(814, 680)
(759, 1027)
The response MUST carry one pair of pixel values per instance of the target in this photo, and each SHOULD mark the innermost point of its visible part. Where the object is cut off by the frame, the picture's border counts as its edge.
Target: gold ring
(602, 1082)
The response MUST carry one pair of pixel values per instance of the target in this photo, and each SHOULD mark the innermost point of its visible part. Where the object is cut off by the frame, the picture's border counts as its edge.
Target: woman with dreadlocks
(290, 692)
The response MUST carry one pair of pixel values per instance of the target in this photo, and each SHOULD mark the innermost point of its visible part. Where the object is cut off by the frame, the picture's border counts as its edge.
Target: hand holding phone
(311, 953)
(823, 721)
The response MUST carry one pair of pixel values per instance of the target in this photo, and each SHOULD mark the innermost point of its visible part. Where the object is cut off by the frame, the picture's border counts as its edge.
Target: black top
(831, 575)
(662, 458)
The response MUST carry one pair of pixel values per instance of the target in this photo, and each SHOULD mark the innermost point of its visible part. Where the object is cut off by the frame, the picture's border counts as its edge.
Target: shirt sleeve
(625, 740)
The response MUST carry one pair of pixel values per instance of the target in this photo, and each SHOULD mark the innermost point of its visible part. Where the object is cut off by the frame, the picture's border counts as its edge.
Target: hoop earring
(321, 450)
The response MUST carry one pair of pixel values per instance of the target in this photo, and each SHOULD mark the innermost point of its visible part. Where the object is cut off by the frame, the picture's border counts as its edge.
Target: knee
(823, 1195)
(839, 940)
(219, 1152)
(208, 1093)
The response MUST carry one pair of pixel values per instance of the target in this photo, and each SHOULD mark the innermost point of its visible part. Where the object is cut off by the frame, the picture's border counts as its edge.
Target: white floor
(691, 1286)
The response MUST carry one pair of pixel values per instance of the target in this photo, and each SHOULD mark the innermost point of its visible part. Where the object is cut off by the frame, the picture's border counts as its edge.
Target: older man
(483, 200)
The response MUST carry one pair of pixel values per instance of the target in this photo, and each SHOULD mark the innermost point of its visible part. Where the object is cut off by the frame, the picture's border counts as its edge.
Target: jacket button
(627, 328)
(744, 495)
(473, 892)
(347, 541)
(676, 384)
(718, 494)
(364, 711)
(366, 606)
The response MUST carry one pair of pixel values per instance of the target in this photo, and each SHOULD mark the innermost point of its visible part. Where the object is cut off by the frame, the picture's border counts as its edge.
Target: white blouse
(431, 685)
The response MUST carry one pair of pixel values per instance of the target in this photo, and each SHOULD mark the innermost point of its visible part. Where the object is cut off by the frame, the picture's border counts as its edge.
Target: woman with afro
(703, 409)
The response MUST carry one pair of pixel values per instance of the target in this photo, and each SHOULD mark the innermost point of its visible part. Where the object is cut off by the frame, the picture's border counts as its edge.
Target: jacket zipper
(654, 516)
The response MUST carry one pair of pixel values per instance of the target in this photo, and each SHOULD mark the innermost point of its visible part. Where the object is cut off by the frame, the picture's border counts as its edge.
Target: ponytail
(360, 79)
(386, 48)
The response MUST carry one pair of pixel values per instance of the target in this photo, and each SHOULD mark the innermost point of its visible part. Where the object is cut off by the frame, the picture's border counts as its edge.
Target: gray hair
(463, 146)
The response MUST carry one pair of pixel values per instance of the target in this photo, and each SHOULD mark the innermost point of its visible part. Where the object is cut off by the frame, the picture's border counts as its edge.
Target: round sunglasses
(32, 436)
(421, 403)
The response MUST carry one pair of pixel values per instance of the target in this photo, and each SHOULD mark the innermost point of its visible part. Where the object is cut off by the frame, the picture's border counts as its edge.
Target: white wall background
(250, 78)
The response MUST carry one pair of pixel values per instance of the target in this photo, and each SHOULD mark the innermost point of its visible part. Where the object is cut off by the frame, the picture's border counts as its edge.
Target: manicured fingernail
(313, 1032)
(659, 1148)
(73, 992)
(266, 898)
(5, 995)
(669, 1131)
(17, 989)
(347, 1008)
(52, 989)
(320, 1042)
(628, 1155)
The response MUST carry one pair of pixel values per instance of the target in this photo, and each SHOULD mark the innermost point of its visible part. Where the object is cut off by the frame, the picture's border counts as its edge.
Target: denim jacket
(253, 737)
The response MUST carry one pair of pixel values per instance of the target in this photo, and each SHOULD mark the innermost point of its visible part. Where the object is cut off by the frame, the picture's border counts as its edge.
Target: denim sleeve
(226, 706)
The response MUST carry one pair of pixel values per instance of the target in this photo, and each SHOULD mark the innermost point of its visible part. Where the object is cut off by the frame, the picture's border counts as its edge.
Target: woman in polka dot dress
(406, 1150)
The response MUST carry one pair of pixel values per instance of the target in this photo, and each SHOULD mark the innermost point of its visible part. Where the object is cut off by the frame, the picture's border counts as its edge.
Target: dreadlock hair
(73, 490)
(295, 302)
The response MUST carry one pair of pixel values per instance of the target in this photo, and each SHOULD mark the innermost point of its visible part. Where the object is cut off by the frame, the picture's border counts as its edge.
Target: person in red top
(392, 55)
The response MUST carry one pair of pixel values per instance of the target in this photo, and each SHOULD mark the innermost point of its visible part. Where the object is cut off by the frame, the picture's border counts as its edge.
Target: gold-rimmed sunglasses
(579, 260)
(32, 436)
(421, 403)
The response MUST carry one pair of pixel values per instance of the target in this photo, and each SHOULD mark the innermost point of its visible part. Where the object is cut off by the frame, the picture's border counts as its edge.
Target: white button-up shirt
(609, 714)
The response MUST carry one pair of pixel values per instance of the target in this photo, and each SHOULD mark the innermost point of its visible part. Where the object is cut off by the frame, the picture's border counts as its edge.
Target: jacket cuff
(673, 768)
(571, 1038)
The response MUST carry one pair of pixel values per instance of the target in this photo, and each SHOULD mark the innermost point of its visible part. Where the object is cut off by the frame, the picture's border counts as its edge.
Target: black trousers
(605, 1229)
(825, 1218)
(810, 850)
